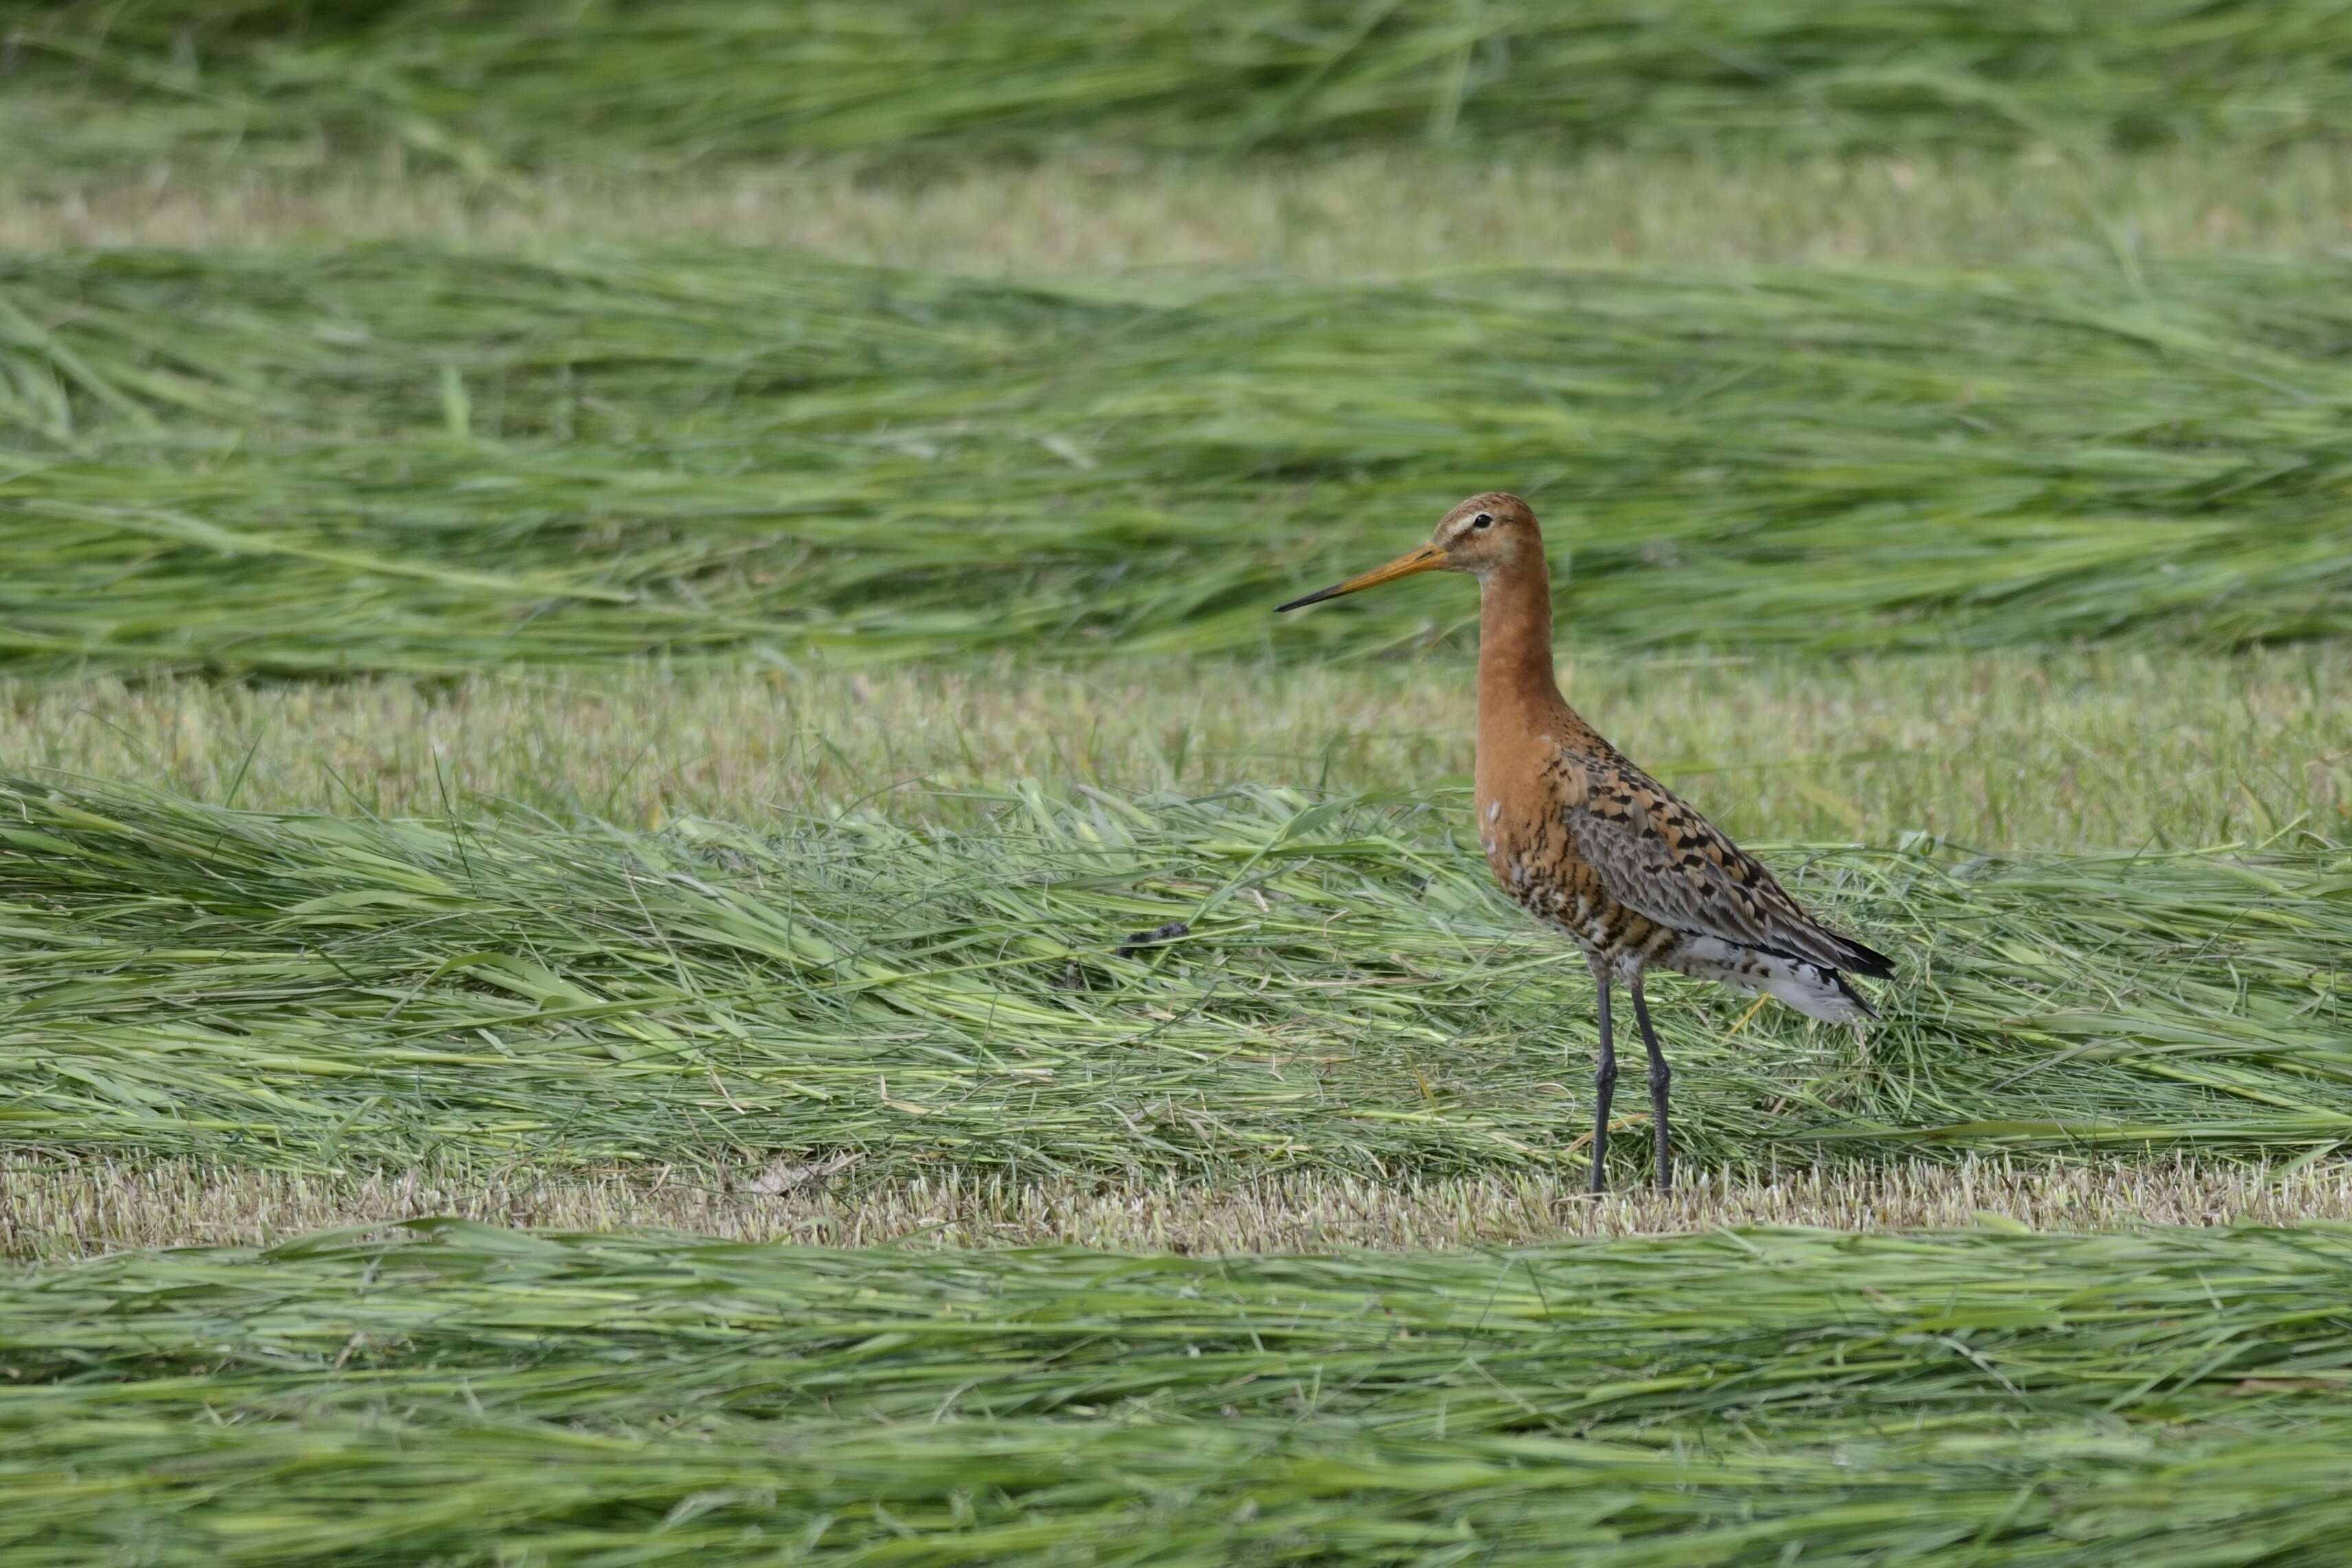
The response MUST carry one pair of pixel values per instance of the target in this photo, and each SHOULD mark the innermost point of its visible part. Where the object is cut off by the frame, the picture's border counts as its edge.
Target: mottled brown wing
(1661, 859)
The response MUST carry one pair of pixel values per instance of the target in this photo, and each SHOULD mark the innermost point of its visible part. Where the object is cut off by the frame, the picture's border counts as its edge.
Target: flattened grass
(1757, 1330)
(409, 459)
(2072, 1494)
(710, 82)
(453, 1391)
(1349, 996)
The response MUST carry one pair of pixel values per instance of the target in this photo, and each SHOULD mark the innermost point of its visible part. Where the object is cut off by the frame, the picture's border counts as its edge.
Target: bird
(1596, 849)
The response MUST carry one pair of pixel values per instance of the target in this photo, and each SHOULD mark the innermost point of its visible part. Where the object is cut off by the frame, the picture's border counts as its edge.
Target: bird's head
(1486, 533)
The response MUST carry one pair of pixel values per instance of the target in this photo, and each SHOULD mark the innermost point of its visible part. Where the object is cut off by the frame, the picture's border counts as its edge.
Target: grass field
(409, 459)
(455, 1392)
(1348, 994)
(607, 640)
(2012, 755)
(493, 88)
(2029, 759)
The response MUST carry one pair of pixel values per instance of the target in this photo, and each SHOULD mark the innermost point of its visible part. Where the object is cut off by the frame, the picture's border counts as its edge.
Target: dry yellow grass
(1994, 750)
(82, 1207)
(1326, 217)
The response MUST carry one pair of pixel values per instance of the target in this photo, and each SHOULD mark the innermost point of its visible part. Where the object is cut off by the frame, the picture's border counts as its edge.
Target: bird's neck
(1516, 687)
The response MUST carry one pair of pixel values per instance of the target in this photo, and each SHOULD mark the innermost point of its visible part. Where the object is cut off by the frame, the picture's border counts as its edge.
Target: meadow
(501, 89)
(421, 1395)
(669, 895)
(627, 451)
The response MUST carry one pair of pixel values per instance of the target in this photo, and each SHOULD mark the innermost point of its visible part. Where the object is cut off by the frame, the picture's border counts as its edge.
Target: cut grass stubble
(65, 1207)
(2150, 748)
(1333, 217)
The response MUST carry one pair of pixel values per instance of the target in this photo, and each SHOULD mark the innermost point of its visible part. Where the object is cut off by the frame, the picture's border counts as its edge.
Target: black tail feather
(1867, 962)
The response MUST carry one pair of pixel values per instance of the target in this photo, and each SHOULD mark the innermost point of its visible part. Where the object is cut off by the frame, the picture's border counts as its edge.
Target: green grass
(1351, 997)
(489, 88)
(458, 1394)
(2000, 571)
(410, 459)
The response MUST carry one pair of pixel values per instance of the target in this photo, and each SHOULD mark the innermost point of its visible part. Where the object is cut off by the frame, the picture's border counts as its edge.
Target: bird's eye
(1483, 520)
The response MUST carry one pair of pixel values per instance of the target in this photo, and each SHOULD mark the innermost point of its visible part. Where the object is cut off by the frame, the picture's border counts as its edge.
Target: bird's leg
(1661, 1076)
(1604, 1084)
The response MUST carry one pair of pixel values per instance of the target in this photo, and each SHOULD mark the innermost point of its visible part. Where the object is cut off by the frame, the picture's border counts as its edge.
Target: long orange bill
(1428, 558)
